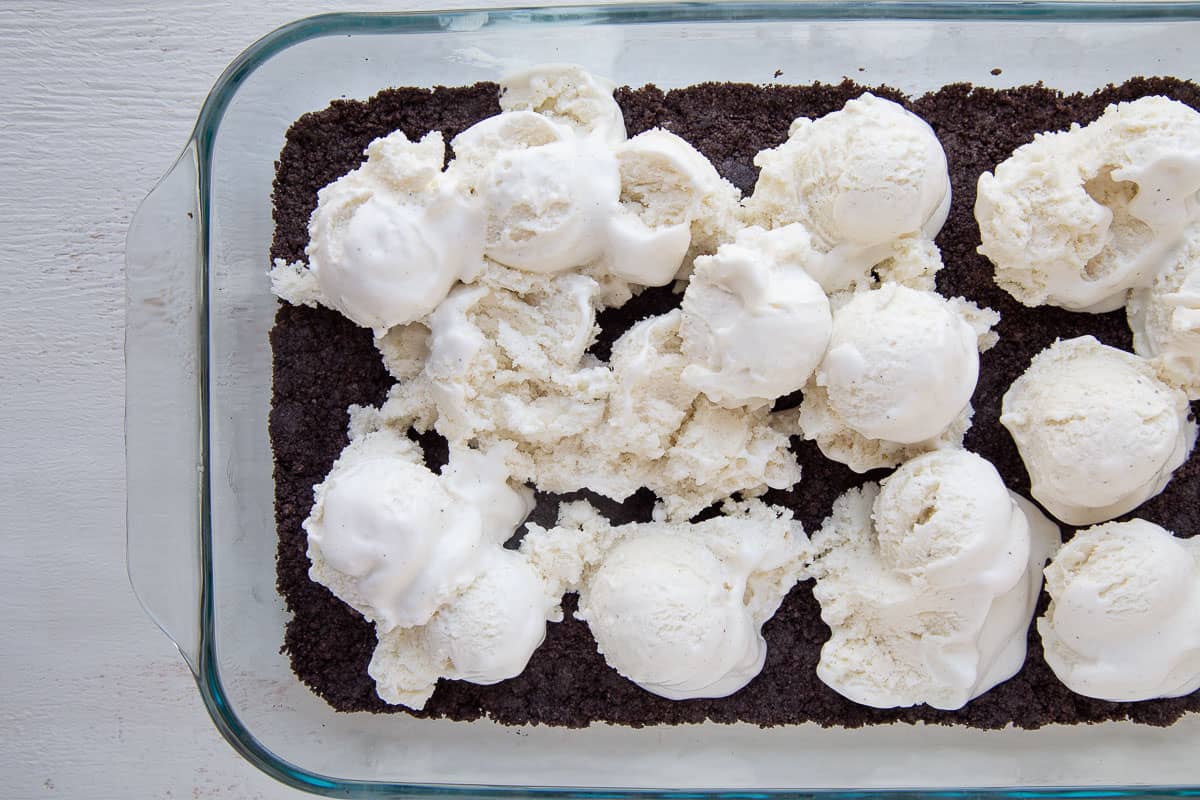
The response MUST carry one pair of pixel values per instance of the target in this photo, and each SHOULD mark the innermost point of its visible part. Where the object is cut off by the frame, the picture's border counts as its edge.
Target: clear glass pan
(201, 529)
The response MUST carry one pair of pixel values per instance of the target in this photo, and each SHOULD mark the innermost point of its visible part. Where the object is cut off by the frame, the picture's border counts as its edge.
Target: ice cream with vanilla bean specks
(630, 319)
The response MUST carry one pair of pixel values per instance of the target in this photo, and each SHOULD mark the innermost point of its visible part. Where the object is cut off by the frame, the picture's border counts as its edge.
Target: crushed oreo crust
(323, 363)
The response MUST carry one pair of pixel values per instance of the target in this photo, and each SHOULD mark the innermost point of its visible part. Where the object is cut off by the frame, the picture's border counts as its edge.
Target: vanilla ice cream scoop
(568, 94)
(901, 364)
(544, 170)
(754, 324)
(672, 201)
(491, 629)
(937, 518)
(1165, 318)
(484, 635)
(1099, 433)
(664, 617)
(1124, 617)
(928, 583)
(858, 179)
(676, 607)
(548, 206)
(477, 146)
(1078, 218)
(388, 240)
(395, 541)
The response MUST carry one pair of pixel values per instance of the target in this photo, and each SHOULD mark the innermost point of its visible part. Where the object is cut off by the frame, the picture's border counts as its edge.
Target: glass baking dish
(200, 522)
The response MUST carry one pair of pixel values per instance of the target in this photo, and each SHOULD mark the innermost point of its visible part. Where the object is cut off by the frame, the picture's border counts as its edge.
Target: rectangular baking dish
(200, 523)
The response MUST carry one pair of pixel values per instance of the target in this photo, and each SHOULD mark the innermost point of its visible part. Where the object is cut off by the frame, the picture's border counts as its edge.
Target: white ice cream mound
(860, 180)
(928, 583)
(897, 378)
(1124, 617)
(677, 608)
(388, 239)
(482, 281)
(421, 556)
(1098, 431)
(740, 304)
(1079, 218)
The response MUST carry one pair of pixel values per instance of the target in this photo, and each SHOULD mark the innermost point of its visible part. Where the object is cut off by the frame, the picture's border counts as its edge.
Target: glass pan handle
(163, 404)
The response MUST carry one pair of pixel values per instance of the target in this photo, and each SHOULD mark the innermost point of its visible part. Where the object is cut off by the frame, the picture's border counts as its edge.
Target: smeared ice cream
(508, 362)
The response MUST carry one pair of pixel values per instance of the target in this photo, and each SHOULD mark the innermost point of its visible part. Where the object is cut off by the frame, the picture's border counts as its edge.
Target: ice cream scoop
(477, 146)
(1078, 218)
(663, 617)
(568, 94)
(397, 542)
(676, 607)
(672, 201)
(1124, 617)
(388, 240)
(858, 179)
(545, 170)
(548, 206)
(754, 324)
(901, 364)
(484, 635)
(928, 583)
(938, 517)
(1098, 431)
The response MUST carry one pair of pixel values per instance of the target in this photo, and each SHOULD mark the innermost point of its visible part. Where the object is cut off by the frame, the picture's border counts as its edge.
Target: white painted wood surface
(97, 100)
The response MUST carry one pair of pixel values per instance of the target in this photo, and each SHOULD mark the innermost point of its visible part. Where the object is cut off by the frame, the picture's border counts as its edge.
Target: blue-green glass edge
(208, 679)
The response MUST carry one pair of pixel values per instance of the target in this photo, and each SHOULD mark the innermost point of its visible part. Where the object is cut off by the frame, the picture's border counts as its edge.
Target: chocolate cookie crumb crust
(323, 363)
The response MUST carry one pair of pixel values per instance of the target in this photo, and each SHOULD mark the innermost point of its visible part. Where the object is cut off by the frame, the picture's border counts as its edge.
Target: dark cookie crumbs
(323, 363)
